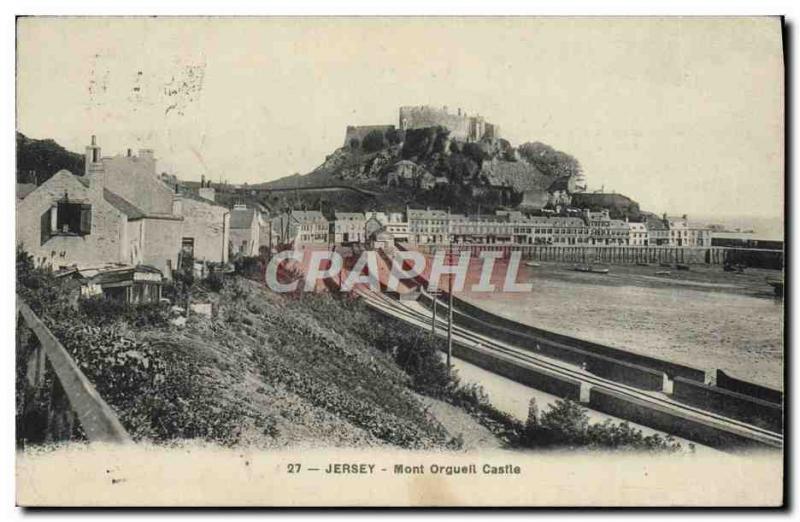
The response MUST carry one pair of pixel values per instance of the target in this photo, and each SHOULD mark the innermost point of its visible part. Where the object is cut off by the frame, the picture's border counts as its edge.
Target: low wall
(733, 384)
(540, 379)
(671, 369)
(606, 367)
(662, 419)
(767, 415)
(616, 254)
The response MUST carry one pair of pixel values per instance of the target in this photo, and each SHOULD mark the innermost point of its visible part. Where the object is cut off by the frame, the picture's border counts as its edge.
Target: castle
(460, 124)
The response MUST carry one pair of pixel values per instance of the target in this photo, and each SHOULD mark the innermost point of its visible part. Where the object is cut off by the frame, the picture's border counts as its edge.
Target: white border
(307, 7)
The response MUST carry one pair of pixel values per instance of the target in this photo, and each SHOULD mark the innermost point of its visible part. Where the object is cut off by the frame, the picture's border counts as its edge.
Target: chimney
(93, 166)
(177, 204)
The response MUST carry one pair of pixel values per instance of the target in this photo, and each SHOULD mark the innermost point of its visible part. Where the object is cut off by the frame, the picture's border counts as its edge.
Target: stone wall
(558, 385)
(209, 225)
(620, 254)
(600, 365)
(460, 125)
(626, 407)
(754, 411)
(725, 381)
(359, 132)
(162, 243)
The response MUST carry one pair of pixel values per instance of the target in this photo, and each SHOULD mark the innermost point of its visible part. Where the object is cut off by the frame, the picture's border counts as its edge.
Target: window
(66, 218)
(187, 247)
(73, 218)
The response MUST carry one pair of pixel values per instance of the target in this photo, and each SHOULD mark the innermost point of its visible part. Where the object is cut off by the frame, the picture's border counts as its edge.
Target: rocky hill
(427, 166)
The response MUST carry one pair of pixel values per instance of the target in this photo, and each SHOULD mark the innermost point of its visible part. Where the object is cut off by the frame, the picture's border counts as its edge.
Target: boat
(776, 284)
(733, 268)
(682, 266)
(532, 263)
(666, 265)
(663, 273)
(590, 269)
(642, 263)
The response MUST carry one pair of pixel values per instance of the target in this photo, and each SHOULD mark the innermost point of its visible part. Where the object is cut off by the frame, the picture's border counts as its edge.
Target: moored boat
(776, 284)
(590, 269)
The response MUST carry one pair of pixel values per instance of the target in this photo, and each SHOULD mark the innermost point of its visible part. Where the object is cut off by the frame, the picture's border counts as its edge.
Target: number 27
(293, 468)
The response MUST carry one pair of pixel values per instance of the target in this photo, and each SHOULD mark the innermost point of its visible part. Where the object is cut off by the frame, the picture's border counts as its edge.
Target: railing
(97, 420)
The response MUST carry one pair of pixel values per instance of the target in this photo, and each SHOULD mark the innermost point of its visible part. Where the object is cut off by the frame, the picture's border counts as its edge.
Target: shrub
(102, 311)
(566, 424)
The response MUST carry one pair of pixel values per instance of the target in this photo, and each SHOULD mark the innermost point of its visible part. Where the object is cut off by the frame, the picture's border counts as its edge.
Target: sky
(682, 115)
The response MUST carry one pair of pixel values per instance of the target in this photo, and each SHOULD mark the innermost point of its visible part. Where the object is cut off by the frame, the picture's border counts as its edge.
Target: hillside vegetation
(272, 370)
(426, 167)
(45, 158)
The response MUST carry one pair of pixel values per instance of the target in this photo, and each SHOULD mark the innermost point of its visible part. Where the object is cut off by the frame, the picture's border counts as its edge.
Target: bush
(102, 311)
(566, 424)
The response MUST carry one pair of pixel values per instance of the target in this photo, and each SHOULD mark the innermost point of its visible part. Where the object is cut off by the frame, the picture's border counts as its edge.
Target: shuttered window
(46, 224)
(86, 219)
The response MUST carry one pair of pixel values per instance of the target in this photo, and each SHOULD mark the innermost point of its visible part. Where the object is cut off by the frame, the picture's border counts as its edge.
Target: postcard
(400, 261)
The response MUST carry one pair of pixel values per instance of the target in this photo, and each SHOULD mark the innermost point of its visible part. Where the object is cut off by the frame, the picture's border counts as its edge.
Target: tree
(549, 160)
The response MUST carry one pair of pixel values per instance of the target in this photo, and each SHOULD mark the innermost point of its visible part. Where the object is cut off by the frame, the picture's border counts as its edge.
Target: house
(428, 226)
(73, 220)
(245, 236)
(119, 211)
(638, 234)
(657, 231)
(300, 227)
(374, 222)
(397, 225)
(129, 284)
(349, 227)
(175, 224)
(682, 233)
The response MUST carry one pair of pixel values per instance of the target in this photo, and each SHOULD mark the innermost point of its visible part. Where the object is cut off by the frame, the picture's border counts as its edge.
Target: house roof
(561, 183)
(426, 213)
(242, 217)
(23, 189)
(188, 194)
(349, 215)
(655, 223)
(307, 215)
(123, 205)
